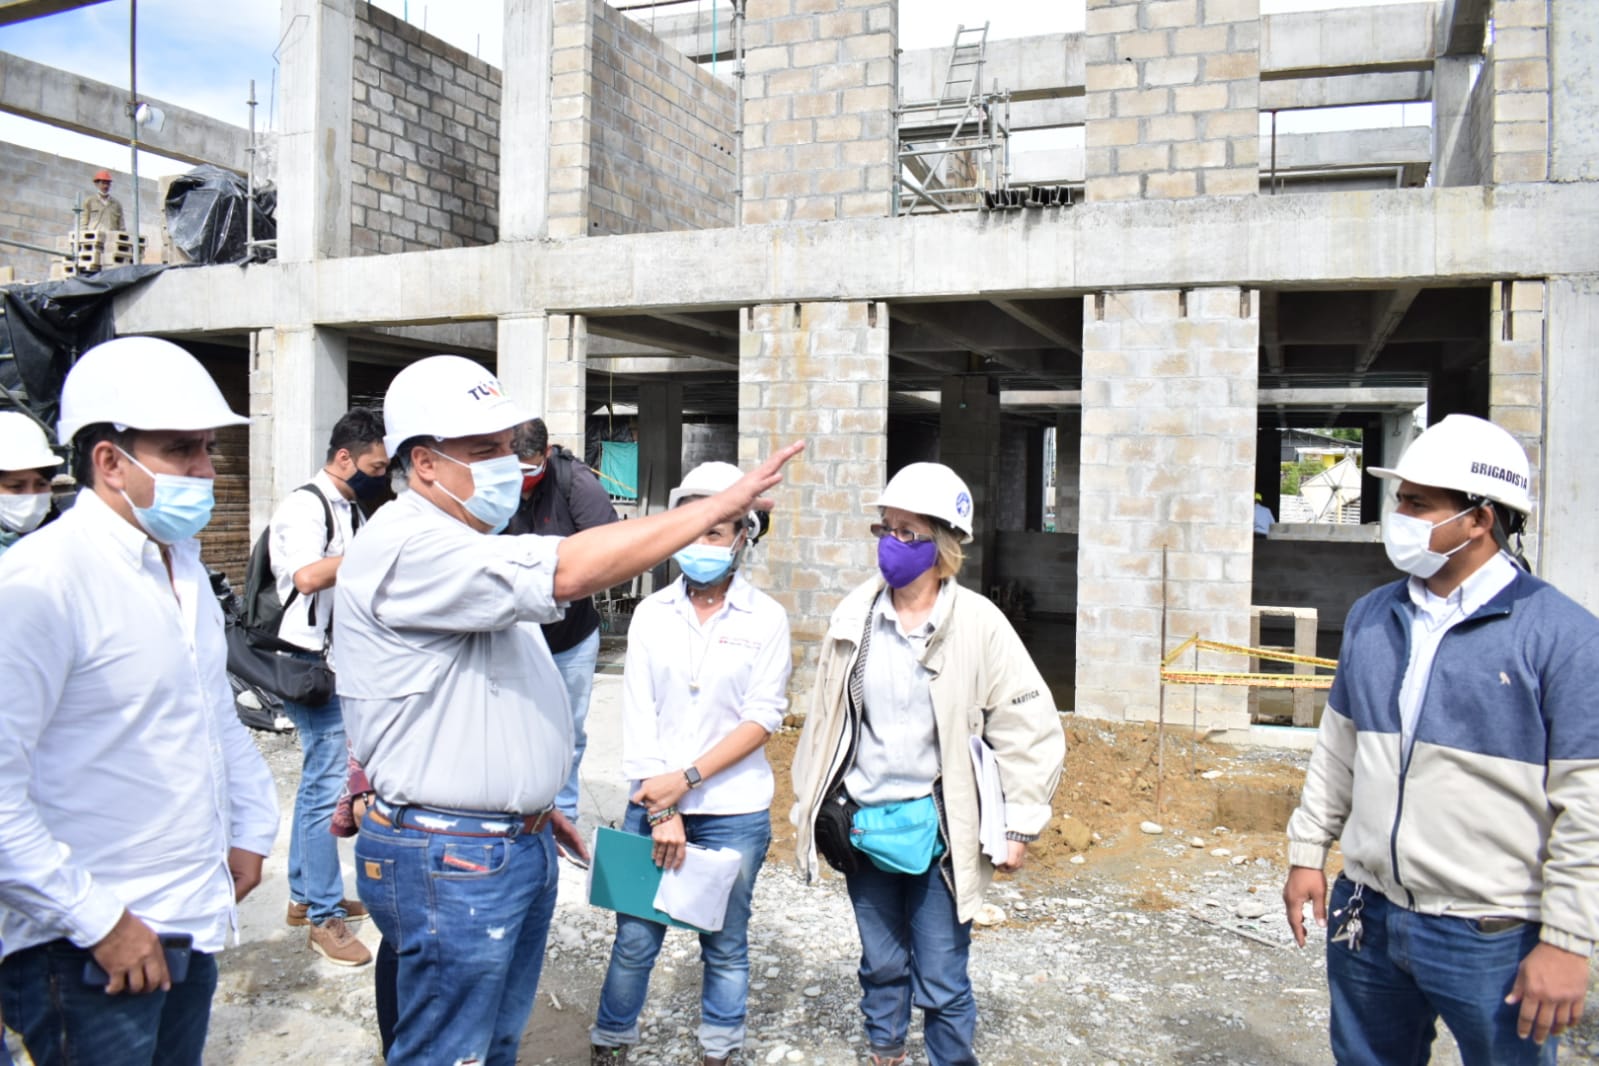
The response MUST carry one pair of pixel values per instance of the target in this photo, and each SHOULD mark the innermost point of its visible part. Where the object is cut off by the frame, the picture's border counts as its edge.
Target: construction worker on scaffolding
(102, 212)
(1458, 766)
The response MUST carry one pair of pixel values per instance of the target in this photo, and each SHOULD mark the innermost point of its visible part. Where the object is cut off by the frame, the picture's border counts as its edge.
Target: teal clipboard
(623, 876)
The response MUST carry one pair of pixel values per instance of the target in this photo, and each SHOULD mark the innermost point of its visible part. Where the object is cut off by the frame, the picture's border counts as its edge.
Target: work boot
(300, 913)
(334, 941)
(605, 1055)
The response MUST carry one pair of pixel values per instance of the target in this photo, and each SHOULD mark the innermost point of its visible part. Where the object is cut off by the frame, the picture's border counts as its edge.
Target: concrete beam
(1030, 68)
(1348, 90)
(1349, 40)
(1374, 400)
(1462, 26)
(82, 105)
(1370, 239)
(1388, 146)
(23, 10)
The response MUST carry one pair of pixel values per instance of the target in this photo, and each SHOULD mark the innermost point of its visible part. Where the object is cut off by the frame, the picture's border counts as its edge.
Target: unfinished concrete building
(825, 238)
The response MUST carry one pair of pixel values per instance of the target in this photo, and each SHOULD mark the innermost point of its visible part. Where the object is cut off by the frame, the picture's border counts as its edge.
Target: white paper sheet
(990, 803)
(697, 891)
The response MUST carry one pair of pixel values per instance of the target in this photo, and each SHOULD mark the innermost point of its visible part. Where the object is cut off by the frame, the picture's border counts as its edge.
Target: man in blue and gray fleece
(1458, 766)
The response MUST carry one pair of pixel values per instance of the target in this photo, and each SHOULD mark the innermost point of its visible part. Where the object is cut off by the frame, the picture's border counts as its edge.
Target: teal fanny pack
(899, 838)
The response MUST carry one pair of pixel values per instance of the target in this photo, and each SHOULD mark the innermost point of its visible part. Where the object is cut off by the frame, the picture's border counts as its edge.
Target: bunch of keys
(1350, 931)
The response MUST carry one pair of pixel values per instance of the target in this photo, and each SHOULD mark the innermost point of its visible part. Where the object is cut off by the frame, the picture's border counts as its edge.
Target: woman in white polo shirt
(703, 688)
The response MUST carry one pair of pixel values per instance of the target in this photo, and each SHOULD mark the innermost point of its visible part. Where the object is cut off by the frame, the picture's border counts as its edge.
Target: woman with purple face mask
(914, 669)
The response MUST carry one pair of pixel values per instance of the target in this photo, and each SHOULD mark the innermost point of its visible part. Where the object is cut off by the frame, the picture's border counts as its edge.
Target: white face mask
(1409, 543)
(22, 514)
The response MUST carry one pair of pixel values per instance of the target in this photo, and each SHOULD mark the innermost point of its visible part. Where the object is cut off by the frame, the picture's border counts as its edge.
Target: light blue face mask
(8, 538)
(496, 489)
(181, 506)
(704, 564)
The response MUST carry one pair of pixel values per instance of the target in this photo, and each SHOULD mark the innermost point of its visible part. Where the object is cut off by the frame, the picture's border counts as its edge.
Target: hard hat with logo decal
(934, 490)
(23, 445)
(708, 479)
(1470, 455)
(144, 383)
(445, 396)
(104, 175)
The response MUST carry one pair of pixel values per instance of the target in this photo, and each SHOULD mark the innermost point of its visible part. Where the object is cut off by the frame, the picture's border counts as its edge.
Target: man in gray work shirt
(454, 706)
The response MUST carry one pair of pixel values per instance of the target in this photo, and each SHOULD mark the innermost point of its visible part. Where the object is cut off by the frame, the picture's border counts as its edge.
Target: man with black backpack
(307, 539)
(561, 496)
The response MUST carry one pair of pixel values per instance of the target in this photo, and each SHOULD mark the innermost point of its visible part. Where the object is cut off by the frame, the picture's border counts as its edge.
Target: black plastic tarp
(205, 216)
(47, 326)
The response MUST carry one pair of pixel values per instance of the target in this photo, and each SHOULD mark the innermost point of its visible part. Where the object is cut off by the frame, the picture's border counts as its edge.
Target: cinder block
(1207, 97)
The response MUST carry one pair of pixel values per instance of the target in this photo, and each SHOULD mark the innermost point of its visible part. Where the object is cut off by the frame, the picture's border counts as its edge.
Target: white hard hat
(1470, 455)
(707, 479)
(142, 382)
(445, 396)
(23, 445)
(934, 490)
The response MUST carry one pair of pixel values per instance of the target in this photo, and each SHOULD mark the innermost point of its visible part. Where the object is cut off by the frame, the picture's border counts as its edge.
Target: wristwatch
(692, 776)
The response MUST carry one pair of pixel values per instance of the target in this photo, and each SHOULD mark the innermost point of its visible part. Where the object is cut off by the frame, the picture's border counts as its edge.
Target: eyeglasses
(904, 536)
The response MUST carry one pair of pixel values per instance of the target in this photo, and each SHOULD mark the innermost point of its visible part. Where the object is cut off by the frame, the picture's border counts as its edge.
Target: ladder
(956, 122)
(963, 78)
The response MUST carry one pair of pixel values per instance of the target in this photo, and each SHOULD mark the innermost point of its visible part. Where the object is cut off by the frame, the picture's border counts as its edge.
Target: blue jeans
(314, 875)
(468, 917)
(64, 1022)
(577, 670)
(725, 992)
(913, 951)
(1413, 968)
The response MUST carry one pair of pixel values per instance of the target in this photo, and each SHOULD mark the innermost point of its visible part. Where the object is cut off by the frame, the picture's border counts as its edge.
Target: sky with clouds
(202, 53)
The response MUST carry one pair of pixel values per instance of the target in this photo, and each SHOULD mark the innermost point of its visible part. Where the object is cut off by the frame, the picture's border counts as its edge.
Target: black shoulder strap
(563, 473)
(327, 518)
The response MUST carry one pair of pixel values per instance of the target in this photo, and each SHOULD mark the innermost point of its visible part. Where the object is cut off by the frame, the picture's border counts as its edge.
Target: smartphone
(176, 947)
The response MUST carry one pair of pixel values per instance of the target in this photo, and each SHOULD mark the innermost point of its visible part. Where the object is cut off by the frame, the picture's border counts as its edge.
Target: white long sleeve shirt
(686, 685)
(125, 775)
(298, 539)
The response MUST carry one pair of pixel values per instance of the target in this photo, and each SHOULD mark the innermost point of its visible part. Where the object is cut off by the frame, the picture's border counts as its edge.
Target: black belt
(457, 823)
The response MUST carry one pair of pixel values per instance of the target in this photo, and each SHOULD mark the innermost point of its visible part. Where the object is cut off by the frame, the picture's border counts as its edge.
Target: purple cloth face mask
(903, 563)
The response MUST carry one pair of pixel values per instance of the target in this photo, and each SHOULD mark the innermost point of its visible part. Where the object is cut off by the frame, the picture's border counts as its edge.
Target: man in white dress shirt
(134, 809)
(456, 710)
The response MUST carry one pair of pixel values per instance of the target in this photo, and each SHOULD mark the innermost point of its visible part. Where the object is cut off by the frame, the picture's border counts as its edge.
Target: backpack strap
(327, 538)
(563, 473)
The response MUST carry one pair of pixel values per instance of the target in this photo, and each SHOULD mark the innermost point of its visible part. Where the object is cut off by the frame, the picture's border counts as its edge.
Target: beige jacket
(984, 684)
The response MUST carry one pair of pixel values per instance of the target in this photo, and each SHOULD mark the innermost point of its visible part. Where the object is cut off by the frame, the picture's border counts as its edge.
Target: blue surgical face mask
(180, 508)
(704, 564)
(496, 489)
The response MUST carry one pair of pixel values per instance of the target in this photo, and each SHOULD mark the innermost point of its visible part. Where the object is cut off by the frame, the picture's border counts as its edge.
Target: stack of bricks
(91, 251)
(819, 99)
(425, 141)
(1518, 68)
(566, 379)
(1517, 340)
(817, 372)
(1170, 383)
(41, 191)
(1173, 92)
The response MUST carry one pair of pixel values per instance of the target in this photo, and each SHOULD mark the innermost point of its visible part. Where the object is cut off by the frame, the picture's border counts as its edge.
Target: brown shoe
(603, 1055)
(300, 913)
(725, 1060)
(892, 1058)
(334, 942)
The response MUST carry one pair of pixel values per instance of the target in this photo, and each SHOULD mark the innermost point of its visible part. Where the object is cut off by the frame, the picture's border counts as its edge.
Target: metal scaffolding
(955, 148)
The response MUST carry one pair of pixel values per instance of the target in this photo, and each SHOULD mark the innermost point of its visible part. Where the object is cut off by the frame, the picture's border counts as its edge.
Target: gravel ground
(1149, 951)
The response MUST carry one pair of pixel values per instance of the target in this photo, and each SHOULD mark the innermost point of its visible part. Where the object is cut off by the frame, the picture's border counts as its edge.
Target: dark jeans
(65, 1022)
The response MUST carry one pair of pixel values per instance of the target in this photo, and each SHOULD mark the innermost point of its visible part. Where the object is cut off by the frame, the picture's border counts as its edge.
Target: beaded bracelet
(661, 816)
(1020, 838)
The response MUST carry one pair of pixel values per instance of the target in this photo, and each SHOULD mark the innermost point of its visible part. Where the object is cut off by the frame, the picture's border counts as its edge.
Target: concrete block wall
(41, 190)
(1068, 470)
(1517, 342)
(663, 135)
(1173, 93)
(425, 141)
(1170, 383)
(819, 139)
(817, 372)
(566, 384)
(969, 443)
(1044, 565)
(571, 117)
(1518, 69)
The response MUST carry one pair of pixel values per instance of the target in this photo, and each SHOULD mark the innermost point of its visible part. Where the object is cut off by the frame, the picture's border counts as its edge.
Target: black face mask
(365, 486)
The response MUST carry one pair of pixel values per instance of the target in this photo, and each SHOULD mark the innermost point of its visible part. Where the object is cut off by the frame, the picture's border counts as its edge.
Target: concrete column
(1454, 151)
(660, 450)
(1170, 388)
(1518, 62)
(566, 379)
(317, 57)
(819, 372)
(968, 443)
(263, 470)
(1068, 470)
(1574, 102)
(1173, 96)
(310, 390)
(525, 120)
(819, 109)
(1517, 387)
(1566, 540)
(522, 348)
(571, 128)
